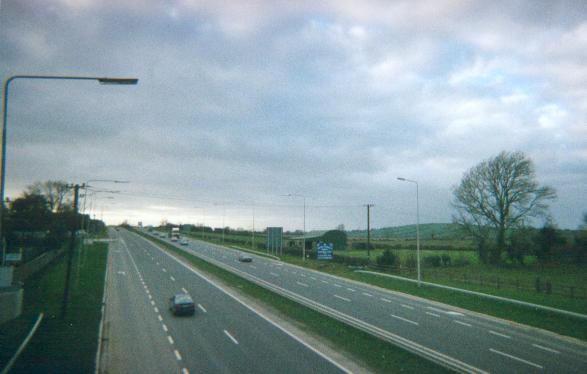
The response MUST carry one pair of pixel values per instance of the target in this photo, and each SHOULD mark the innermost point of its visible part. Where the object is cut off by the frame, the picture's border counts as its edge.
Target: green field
(62, 345)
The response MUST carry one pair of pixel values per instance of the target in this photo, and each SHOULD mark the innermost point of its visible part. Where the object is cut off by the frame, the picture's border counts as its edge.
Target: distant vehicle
(182, 303)
(183, 242)
(243, 257)
(174, 234)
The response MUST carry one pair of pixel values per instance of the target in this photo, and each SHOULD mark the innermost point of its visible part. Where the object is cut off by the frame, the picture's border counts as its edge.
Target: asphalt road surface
(482, 343)
(225, 336)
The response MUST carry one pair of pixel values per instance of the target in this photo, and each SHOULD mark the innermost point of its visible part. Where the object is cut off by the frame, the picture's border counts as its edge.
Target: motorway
(472, 342)
(225, 336)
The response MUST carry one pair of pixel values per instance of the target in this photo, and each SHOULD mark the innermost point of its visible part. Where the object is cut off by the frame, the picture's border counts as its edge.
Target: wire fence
(538, 284)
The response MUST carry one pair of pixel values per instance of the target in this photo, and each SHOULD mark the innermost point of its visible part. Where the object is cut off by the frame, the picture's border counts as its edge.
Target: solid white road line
(170, 339)
(407, 306)
(177, 355)
(231, 337)
(184, 290)
(165, 327)
(462, 323)
(367, 294)
(546, 348)
(433, 314)
(302, 284)
(342, 298)
(499, 334)
(202, 308)
(516, 358)
(405, 319)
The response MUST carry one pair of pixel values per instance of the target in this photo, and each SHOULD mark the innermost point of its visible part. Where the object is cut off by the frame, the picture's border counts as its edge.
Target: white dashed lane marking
(462, 323)
(405, 319)
(230, 337)
(546, 349)
(342, 298)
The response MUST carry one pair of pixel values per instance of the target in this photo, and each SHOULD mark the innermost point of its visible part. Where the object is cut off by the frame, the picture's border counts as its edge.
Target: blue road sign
(324, 251)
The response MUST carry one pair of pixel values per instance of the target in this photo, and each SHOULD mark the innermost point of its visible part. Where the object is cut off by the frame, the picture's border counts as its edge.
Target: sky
(245, 112)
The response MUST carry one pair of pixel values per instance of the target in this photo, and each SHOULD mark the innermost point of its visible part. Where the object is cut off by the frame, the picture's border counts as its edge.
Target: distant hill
(445, 231)
(427, 231)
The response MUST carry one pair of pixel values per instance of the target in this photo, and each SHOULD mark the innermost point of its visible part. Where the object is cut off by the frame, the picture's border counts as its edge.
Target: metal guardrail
(23, 344)
(488, 296)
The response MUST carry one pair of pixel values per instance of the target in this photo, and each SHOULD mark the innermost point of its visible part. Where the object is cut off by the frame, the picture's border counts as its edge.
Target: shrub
(386, 259)
(350, 260)
(432, 261)
(446, 259)
(410, 261)
(461, 261)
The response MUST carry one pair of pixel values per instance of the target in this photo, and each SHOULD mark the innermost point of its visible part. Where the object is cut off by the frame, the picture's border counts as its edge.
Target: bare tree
(56, 193)
(496, 195)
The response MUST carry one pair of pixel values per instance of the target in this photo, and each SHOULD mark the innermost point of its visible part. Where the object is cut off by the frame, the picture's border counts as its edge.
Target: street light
(417, 226)
(87, 186)
(100, 80)
(223, 215)
(304, 232)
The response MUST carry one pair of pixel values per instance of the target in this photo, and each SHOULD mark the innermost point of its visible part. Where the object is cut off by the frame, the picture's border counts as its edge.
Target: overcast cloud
(240, 103)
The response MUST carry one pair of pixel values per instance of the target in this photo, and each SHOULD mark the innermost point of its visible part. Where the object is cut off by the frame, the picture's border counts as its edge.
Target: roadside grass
(65, 345)
(508, 280)
(560, 324)
(378, 355)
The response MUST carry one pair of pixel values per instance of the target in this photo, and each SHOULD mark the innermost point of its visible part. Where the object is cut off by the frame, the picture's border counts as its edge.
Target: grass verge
(65, 345)
(378, 355)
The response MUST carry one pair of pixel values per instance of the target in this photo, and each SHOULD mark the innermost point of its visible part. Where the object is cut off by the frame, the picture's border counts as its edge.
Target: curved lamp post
(100, 80)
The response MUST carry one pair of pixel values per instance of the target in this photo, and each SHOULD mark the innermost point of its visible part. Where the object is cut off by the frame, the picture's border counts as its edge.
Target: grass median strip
(378, 355)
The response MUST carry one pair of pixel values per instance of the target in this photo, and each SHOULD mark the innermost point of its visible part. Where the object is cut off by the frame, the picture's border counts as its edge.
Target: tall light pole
(304, 231)
(417, 226)
(203, 218)
(223, 215)
(87, 185)
(100, 80)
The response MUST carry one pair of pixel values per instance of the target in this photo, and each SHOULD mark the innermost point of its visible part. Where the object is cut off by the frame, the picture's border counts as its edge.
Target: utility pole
(369, 206)
(74, 226)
